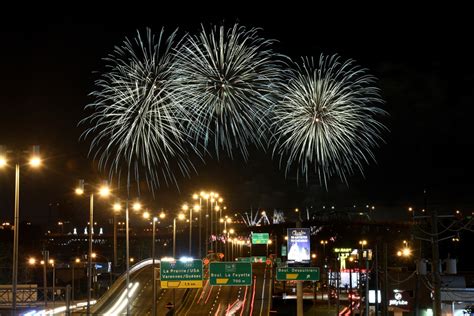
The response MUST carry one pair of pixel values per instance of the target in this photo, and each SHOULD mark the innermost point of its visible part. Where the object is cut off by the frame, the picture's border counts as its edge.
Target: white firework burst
(136, 124)
(327, 120)
(228, 82)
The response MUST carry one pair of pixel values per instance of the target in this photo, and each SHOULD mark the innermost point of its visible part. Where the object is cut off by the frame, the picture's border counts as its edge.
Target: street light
(364, 243)
(269, 242)
(137, 206)
(199, 197)
(32, 262)
(51, 262)
(34, 162)
(103, 191)
(185, 208)
(73, 263)
(181, 217)
(117, 208)
(146, 215)
(405, 251)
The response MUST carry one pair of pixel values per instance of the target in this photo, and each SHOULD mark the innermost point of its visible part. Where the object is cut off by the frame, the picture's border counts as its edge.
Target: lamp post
(104, 191)
(146, 215)
(228, 240)
(180, 217)
(196, 208)
(199, 197)
(32, 262)
(269, 242)
(212, 200)
(51, 262)
(35, 162)
(76, 261)
(364, 243)
(117, 208)
(45, 279)
(136, 207)
(184, 208)
(205, 195)
(225, 221)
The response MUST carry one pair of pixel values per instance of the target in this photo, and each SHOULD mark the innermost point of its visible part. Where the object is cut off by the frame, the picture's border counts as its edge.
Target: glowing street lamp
(181, 217)
(146, 215)
(34, 162)
(199, 197)
(104, 192)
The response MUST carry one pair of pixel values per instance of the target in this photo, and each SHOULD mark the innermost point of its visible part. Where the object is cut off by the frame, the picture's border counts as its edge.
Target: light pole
(180, 217)
(76, 261)
(205, 195)
(136, 207)
(184, 208)
(146, 215)
(225, 221)
(324, 243)
(32, 262)
(212, 223)
(364, 243)
(35, 161)
(45, 279)
(269, 242)
(51, 262)
(228, 240)
(197, 208)
(104, 191)
(116, 207)
(199, 197)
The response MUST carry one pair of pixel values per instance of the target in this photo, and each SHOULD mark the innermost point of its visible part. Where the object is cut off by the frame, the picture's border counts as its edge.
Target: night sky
(423, 62)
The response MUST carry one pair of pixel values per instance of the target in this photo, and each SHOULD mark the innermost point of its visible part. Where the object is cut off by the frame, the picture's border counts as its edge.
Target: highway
(208, 300)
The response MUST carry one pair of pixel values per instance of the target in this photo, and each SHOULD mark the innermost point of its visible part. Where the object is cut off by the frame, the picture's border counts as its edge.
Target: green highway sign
(260, 238)
(230, 273)
(244, 259)
(181, 274)
(259, 259)
(298, 274)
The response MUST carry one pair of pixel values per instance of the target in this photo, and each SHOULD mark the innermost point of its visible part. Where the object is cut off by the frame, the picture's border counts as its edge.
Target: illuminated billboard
(299, 246)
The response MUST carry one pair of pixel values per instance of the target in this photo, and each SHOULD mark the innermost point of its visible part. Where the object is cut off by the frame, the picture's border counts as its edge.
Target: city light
(35, 161)
(117, 207)
(32, 261)
(104, 191)
(137, 206)
(3, 161)
(186, 259)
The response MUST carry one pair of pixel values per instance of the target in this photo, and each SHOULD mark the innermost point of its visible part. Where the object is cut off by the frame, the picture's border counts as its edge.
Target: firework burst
(228, 78)
(136, 124)
(327, 120)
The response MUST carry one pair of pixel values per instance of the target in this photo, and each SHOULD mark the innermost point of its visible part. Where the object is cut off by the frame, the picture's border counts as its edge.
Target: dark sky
(423, 59)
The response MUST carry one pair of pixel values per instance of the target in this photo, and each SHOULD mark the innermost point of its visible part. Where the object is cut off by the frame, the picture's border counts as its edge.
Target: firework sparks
(327, 119)
(228, 79)
(136, 121)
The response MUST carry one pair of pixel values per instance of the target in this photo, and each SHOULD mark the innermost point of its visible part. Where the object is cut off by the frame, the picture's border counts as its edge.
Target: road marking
(263, 289)
(245, 299)
(270, 284)
(253, 294)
